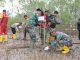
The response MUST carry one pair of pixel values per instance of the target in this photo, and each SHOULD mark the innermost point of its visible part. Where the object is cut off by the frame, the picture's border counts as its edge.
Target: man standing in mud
(4, 23)
(1, 16)
(24, 26)
(31, 24)
(53, 20)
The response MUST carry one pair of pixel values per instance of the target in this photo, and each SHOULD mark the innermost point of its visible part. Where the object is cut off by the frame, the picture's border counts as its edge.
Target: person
(0, 28)
(78, 28)
(53, 20)
(4, 23)
(31, 24)
(47, 14)
(62, 38)
(43, 25)
(24, 25)
(14, 28)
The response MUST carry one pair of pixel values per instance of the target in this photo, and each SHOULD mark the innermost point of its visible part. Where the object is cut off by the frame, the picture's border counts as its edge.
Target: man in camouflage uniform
(31, 24)
(53, 20)
(63, 39)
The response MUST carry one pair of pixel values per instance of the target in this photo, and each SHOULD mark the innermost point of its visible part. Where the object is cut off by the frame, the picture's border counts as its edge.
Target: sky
(9, 6)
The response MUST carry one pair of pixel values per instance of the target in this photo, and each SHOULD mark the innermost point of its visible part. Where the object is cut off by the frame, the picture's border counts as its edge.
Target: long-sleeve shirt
(53, 20)
(24, 23)
(16, 26)
(3, 24)
(43, 24)
(32, 21)
(60, 37)
(4, 20)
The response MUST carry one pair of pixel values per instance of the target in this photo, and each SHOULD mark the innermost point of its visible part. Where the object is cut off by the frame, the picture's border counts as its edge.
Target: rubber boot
(32, 45)
(6, 38)
(1, 39)
(14, 36)
(42, 41)
(65, 50)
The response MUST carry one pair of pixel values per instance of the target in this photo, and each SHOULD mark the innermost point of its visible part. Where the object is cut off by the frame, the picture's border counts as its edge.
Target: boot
(6, 38)
(32, 45)
(65, 50)
(42, 41)
(14, 36)
(1, 39)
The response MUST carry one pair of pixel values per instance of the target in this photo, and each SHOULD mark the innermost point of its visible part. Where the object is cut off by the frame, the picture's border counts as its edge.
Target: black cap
(38, 9)
(25, 15)
(4, 10)
(56, 12)
(46, 10)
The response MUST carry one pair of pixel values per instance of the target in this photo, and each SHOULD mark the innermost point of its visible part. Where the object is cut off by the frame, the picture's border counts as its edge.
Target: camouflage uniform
(62, 38)
(32, 22)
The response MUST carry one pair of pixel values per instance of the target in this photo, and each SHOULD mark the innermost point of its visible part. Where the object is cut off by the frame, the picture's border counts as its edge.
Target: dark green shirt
(33, 20)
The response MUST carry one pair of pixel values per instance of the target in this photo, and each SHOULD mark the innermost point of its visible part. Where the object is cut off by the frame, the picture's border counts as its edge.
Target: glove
(46, 48)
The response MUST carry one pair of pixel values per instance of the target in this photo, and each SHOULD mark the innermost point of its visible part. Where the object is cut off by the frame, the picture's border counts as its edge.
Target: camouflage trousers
(32, 34)
(43, 35)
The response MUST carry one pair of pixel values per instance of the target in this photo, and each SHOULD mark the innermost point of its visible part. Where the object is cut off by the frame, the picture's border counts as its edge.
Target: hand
(49, 23)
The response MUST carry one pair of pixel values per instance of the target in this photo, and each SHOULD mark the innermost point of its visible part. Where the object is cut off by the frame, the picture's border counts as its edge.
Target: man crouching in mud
(62, 38)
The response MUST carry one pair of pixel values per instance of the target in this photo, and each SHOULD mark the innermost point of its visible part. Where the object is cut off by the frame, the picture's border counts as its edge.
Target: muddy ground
(19, 50)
